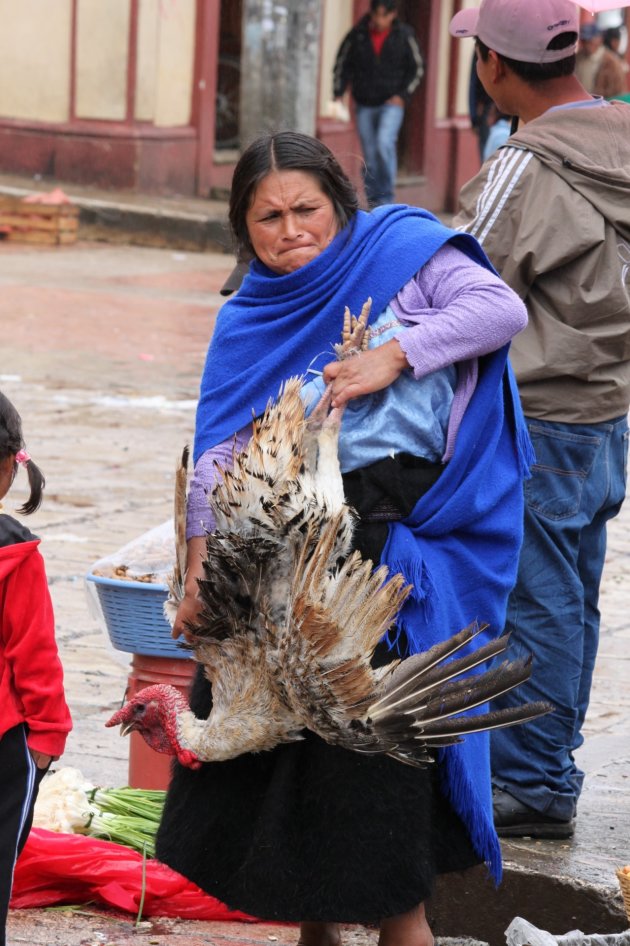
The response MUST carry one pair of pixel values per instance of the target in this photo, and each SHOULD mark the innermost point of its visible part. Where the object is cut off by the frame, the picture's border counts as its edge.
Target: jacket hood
(589, 148)
(13, 555)
(16, 544)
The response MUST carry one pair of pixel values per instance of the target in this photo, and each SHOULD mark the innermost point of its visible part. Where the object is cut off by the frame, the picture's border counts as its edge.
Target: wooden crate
(25, 222)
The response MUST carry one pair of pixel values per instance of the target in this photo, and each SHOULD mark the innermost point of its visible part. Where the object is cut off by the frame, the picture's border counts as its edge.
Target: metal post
(279, 66)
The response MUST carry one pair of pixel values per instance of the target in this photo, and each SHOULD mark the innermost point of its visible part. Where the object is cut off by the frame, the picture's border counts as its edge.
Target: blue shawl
(277, 325)
(459, 547)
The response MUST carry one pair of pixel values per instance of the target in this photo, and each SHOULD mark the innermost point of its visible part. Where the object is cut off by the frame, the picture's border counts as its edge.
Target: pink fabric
(521, 31)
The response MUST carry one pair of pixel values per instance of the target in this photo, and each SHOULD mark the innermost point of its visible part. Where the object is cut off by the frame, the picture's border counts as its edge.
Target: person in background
(612, 41)
(499, 127)
(599, 70)
(432, 452)
(552, 211)
(34, 719)
(480, 106)
(380, 61)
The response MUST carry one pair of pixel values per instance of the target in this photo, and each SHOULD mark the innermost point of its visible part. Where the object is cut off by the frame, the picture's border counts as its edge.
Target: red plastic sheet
(71, 868)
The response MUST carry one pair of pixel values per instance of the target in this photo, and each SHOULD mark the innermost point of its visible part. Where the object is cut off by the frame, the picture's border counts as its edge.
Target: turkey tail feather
(495, 719)
(459, 695)
(406, 674)
(426, 696)
(407, 686)
(414, 748)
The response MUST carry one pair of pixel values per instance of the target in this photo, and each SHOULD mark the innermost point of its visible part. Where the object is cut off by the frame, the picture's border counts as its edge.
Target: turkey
(291, 616)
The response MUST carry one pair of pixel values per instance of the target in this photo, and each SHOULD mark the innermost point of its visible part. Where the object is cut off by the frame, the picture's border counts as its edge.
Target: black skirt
(310, 831)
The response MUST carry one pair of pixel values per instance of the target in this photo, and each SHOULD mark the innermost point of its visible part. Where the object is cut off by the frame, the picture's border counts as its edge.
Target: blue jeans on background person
(578, 484)
(378, 127)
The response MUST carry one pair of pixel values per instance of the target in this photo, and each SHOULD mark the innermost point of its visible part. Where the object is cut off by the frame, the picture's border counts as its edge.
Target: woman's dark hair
(11, 442)
(534, 72)
(287, 151)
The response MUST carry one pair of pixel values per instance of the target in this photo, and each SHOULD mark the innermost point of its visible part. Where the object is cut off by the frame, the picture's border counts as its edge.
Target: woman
(433, 454)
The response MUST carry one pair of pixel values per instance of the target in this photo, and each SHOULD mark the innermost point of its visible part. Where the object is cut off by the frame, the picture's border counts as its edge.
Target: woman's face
(290, 220)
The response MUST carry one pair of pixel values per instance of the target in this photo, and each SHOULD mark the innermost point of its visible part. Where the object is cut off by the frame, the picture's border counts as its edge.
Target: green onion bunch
(128, 816)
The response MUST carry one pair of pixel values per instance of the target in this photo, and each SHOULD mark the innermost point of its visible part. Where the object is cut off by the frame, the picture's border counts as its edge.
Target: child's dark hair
(11, 442)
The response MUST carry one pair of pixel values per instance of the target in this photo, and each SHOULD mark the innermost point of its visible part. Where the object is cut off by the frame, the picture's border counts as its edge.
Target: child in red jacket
(34, 717)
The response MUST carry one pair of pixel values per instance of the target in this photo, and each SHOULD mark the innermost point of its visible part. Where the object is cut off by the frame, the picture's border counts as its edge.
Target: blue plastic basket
(134, 617)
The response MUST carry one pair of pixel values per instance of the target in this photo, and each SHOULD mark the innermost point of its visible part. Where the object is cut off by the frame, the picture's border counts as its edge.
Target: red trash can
(148, 768)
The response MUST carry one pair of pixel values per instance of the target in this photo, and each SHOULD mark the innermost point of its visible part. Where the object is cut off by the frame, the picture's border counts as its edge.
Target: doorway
(411, 143)
(229, 76)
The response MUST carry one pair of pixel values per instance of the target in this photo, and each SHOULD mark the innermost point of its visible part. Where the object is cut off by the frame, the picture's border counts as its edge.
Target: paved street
(102, 351)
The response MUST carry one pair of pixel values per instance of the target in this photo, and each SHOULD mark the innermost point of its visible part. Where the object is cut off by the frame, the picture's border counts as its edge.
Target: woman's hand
(189, 608)
(361, 374)
(188, 612)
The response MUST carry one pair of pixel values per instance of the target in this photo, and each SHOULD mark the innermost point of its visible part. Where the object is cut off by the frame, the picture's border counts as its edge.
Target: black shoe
(513, 819)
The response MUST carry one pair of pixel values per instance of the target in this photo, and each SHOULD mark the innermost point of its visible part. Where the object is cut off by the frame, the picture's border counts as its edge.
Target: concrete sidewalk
(103, 348)
(180, 223)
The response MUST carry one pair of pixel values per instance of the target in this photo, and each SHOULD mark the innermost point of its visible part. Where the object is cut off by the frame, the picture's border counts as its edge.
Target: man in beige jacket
(598, 68)
(552, 211)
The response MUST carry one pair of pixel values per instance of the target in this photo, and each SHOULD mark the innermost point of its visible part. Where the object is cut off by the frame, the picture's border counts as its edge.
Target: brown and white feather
(290, 616)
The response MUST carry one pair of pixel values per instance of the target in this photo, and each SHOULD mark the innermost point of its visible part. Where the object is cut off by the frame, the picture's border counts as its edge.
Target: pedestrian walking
(552, 211)
(35, 719)
(380, 61)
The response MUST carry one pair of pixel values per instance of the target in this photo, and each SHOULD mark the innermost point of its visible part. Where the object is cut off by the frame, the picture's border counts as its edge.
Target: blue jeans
(578, 484)
(378, 127)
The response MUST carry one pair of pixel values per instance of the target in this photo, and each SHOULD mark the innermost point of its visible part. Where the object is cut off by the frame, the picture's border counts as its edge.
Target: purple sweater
(455, 311)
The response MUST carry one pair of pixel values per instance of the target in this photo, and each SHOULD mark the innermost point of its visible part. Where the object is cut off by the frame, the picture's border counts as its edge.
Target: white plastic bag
(148, 558)
(522, 933)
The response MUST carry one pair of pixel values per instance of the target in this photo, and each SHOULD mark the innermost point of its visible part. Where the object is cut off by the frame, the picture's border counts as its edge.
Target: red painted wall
(437, 156)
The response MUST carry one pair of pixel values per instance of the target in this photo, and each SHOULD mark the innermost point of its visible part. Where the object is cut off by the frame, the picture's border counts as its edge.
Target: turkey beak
(126, 725)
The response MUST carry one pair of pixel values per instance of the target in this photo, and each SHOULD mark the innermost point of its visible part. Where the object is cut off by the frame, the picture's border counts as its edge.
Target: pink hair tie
(22, 457)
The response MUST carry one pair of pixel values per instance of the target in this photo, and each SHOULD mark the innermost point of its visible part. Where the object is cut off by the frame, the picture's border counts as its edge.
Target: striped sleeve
(342, 69)
(418, 61)
(493, 209)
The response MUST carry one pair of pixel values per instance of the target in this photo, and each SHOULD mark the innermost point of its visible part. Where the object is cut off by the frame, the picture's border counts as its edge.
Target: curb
(142, 225)
(558, 903)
